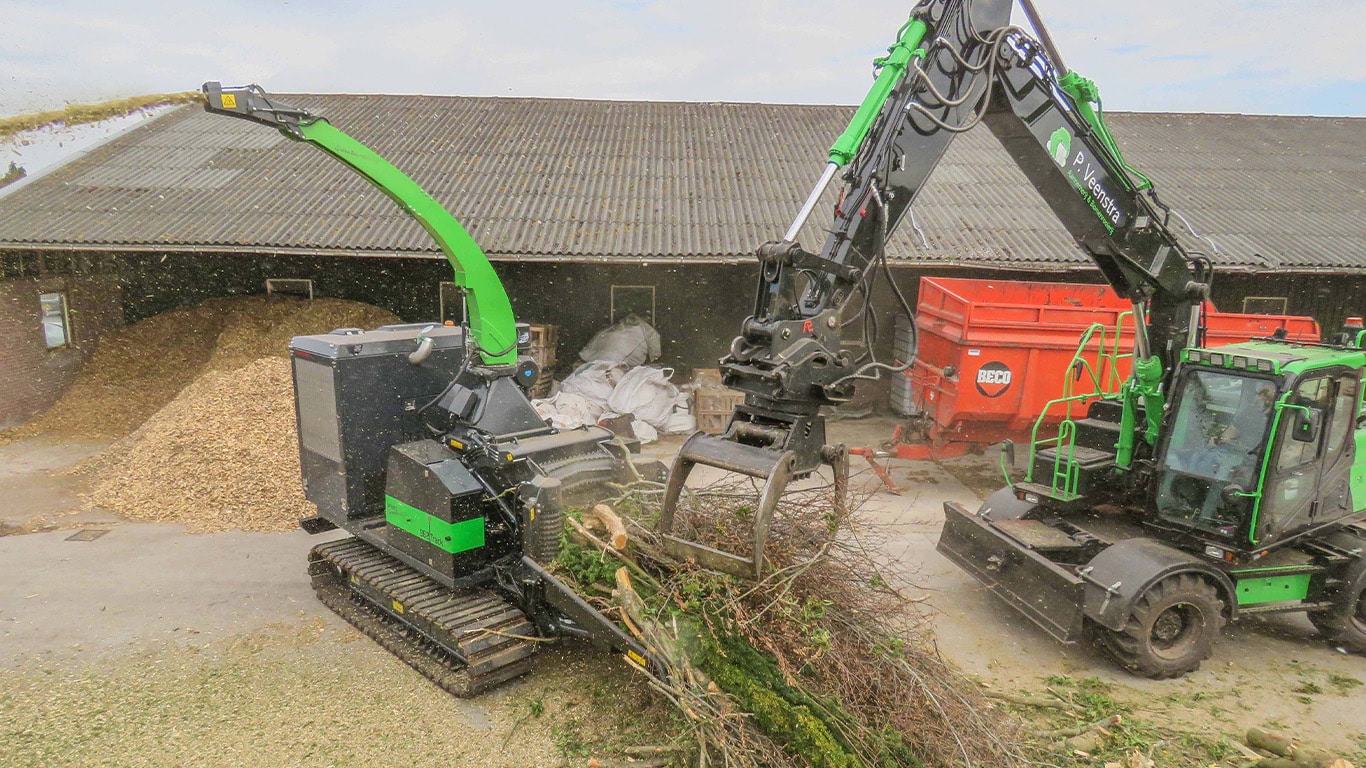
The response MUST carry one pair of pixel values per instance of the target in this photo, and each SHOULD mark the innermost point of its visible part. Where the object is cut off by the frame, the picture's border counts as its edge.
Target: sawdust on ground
(315, 694)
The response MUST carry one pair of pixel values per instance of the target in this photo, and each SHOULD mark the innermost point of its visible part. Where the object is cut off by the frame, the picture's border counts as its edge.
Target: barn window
(290, 286)
(56, 320)
(633, 299)
(1264, 305)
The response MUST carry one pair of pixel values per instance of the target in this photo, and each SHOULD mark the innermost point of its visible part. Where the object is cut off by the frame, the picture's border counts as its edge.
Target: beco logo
(993, 379)
(1060, 146)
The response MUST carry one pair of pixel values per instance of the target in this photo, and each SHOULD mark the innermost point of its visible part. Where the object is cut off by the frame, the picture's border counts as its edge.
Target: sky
(1250, 56)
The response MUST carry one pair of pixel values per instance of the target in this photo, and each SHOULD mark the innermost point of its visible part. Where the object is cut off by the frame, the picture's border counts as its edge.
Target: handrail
(1103, 374)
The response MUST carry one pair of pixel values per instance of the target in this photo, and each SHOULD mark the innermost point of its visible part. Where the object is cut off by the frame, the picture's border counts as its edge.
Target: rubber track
(465, 641)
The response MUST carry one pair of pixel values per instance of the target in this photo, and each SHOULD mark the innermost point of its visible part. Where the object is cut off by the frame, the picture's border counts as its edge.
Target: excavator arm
(955, 64)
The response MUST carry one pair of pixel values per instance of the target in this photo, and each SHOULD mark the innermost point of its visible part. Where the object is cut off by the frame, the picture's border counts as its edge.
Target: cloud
(1216, 55)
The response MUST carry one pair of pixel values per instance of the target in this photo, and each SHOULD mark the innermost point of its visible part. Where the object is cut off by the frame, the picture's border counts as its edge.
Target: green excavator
(1218, 483)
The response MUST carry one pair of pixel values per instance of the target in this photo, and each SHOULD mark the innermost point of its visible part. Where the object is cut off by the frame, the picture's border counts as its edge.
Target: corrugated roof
(611, 180)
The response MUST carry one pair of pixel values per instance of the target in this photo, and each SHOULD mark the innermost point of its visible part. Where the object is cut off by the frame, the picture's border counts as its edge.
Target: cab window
(1312, 394)
(1344, 414)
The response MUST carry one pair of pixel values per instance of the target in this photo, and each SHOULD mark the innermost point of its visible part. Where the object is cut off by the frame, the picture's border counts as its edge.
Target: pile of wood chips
(201, 403)
(223, 455)
(139, 368)
(135, 370)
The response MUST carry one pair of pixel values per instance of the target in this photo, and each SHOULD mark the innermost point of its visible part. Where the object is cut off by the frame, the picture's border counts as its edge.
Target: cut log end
(612, 524)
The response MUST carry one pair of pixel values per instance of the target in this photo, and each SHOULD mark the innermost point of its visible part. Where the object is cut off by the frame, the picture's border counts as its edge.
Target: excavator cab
(1259, 446)
(1220, 426)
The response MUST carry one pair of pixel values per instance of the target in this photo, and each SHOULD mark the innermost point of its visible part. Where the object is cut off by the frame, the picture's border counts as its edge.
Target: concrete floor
(33, 489)
(140, 588)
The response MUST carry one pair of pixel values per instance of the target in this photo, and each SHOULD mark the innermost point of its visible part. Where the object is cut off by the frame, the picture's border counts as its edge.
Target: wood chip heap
(223, 455)
(202, 401)
(139, 368)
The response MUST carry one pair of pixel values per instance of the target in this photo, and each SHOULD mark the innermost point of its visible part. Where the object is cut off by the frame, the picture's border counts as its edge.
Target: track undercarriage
(466, 641)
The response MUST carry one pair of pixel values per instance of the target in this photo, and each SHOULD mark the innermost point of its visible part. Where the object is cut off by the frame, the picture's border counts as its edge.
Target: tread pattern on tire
(1337, 624)
(1129, 646)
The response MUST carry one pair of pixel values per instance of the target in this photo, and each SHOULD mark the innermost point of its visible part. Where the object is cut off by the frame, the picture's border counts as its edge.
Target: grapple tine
(777, 467)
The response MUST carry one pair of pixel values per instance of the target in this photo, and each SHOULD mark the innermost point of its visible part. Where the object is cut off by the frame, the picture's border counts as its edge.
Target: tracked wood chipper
(1217, 483)
(420, 442)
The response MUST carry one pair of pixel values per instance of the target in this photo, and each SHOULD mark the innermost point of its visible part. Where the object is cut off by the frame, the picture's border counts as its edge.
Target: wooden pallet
(544, 344)
(712, 407)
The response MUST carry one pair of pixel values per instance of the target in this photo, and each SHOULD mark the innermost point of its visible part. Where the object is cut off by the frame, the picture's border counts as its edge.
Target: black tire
(1171, 628)
(1345, 623)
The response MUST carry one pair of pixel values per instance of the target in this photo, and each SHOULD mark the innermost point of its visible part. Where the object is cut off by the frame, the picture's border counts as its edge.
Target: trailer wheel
(1171, 628)
(1345, 622)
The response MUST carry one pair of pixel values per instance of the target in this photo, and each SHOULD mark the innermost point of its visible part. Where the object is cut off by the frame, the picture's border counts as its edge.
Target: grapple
(776, 452)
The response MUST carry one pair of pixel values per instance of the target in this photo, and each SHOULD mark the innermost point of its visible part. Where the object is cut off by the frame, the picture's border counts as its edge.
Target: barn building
(591, 209)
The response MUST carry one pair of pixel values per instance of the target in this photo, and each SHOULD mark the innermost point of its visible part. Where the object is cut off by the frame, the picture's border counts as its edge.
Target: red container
(993, 353)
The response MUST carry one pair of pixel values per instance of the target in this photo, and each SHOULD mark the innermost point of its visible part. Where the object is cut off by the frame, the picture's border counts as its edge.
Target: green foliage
(12, 175)
(1088, 693)
(1343, 683)
(585, 566)
(1309, 688)
(1092, 701)
(570, 737)
(808, 727)
(784, 713)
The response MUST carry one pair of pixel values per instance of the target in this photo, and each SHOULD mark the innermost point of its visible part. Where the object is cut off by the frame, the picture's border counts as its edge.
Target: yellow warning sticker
(229, 101)
(398, 607)
(635, 657)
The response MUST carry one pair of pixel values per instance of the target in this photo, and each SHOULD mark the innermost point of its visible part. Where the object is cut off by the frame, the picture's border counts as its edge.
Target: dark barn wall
(698, 308)
(1330, 299)
(155, 283)
(32, 376)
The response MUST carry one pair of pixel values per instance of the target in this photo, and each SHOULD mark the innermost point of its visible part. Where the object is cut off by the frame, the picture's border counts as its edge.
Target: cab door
(1339, 450)
(1308, 479)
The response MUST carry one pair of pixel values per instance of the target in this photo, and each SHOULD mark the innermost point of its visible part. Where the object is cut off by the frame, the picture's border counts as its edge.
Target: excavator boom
(955, 64)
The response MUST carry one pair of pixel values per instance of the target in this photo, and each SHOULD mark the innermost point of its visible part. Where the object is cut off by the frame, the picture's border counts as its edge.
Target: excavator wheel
(1170, 630)
(1345, 622)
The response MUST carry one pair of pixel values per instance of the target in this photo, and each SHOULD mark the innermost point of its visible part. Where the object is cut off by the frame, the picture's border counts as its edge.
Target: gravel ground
(314, 694)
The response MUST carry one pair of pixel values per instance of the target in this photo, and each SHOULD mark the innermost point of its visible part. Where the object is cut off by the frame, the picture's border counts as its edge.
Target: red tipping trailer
(993, 353)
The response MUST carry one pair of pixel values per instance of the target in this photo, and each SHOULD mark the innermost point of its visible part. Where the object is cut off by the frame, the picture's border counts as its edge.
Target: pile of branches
(825, 661)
